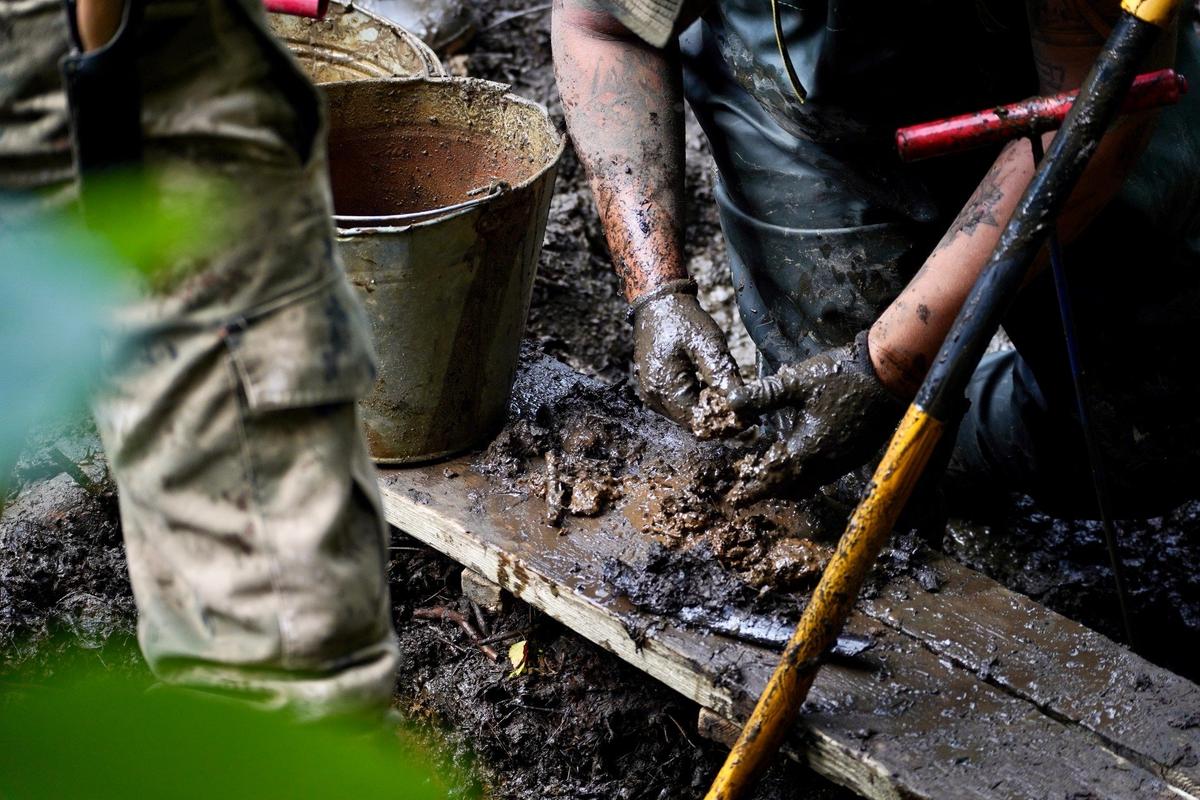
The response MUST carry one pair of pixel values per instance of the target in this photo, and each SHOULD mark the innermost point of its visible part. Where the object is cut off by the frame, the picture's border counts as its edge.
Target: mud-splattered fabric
(825, 226)
(35, 145)
(824, 223)
(228, 410)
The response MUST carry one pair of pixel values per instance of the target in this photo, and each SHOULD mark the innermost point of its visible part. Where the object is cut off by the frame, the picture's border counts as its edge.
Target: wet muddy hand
(675, 345)
(844, 415)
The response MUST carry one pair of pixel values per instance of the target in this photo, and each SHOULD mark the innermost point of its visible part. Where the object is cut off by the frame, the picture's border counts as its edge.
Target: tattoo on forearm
(980, 209)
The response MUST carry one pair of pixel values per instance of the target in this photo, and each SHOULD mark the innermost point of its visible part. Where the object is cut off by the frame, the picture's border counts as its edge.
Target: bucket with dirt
(441, 190)
(349, 43)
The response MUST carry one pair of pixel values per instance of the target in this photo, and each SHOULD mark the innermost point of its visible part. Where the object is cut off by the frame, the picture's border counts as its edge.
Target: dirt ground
(578, 723)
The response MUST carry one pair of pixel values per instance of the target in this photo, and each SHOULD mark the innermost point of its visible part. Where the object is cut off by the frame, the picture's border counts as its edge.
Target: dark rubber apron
(825, 226)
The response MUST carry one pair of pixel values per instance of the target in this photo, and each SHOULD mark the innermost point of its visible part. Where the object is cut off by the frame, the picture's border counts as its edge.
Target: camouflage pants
(35, 153)
(228, 410)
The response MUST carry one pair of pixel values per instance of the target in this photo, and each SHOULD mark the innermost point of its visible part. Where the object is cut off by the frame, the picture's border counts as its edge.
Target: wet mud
(714, 418)
(1064, 565)
(587, 448)
(64, 590)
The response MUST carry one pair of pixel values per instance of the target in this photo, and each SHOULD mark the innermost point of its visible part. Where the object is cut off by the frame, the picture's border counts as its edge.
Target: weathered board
(972, 691)
(1144, 712)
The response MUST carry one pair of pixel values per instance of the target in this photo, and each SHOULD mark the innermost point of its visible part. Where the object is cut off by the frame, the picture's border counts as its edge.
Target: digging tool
(1030, 118)
(941, 395)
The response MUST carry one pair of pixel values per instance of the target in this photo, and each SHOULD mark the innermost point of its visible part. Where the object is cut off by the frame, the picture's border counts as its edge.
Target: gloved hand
(673, 339)
(844, 416)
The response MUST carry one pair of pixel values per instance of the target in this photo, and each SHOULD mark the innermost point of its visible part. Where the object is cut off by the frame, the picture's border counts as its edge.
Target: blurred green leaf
(148, 229)
(108, 739)
(58, 283)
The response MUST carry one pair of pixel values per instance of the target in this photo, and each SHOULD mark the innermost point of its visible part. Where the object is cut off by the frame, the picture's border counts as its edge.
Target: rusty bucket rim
(440, 214)
(321, 49)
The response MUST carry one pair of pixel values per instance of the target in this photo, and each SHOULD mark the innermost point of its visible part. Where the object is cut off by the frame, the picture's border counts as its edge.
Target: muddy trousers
(254, 536)
(256, 542)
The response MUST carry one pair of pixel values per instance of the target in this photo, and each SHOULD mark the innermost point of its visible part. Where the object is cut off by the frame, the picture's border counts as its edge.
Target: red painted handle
(1038, 114)
(298, 8)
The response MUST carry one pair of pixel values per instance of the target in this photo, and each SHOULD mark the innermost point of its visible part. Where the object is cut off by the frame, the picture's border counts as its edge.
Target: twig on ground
(515, 15)
(479, 618)
(505, 635)
(443, 614)
(60, 460)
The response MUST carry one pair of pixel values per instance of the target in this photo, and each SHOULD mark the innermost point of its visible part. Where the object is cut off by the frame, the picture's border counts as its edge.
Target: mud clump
(672, 579)
(587, 449)
(713, 418)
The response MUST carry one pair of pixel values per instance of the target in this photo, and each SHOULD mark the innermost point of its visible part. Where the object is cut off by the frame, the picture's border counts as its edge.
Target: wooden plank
(912, 724)
(1139, 710)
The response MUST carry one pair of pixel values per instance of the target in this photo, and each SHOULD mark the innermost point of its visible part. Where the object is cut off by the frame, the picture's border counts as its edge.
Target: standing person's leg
(257, 549)
(35, 154)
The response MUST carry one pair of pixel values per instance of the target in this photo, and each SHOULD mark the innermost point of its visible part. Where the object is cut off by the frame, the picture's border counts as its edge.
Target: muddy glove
(844, 416)
(673, 340)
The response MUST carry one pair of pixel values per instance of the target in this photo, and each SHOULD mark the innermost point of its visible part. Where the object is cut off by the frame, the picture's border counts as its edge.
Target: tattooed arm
(623, 101)
(624, 106)
(1067, 35)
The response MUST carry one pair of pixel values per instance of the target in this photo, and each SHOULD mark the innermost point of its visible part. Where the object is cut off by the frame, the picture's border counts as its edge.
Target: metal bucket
(350, 44)
(441, 192)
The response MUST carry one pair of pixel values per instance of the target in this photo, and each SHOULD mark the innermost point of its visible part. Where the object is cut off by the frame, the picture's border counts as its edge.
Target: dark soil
(577, 723)
(1064, 564)
(64, 590)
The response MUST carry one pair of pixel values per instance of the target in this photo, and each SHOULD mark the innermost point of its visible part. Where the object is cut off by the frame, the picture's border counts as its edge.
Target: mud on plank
(972, 691)
(969, 691)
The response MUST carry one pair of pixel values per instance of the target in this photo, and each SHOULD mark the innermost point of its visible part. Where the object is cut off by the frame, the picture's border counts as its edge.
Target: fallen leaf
(518, 654)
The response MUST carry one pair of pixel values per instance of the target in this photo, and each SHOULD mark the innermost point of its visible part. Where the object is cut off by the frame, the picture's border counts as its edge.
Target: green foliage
(109, 739)
(61, 280)
(58, 283)
(149, 230)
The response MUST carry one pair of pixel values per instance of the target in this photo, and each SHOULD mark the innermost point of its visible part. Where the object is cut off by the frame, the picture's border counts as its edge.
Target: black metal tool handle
(941, 395)
(1098, 101)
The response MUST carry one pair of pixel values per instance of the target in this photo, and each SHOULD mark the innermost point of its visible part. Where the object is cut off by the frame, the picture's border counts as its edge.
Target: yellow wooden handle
(1156, 12)
(831, 603)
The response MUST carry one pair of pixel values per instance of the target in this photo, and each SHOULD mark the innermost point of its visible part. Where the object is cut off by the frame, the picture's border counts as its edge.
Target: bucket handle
(479, 195)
